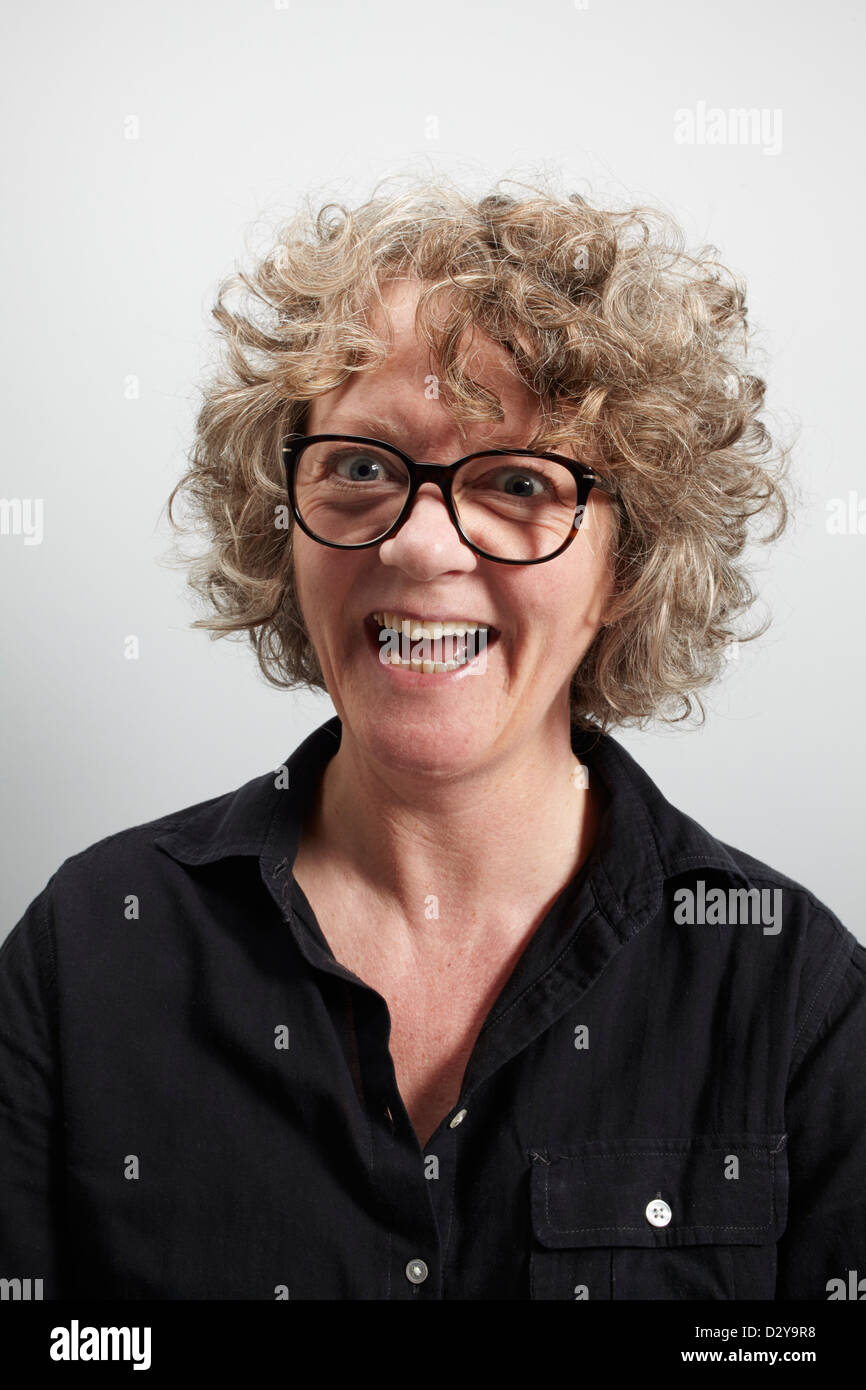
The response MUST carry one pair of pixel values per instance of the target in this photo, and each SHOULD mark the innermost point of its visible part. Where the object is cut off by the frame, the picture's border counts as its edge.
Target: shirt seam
(680, 1230)
(844, 950)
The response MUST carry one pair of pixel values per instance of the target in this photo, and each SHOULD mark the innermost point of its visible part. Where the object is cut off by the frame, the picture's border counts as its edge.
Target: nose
(427, 543)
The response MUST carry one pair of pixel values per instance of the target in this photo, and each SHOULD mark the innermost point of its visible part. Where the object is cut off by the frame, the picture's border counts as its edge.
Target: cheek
(591, 580)
(324, 583)
(311, 590)
(299, 573)
(569, 610)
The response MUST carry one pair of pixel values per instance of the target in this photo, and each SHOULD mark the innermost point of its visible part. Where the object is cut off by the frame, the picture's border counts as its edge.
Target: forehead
(395, 322)
(403, 391)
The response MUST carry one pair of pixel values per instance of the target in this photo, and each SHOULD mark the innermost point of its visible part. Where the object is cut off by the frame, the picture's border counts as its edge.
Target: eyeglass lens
(514, 506)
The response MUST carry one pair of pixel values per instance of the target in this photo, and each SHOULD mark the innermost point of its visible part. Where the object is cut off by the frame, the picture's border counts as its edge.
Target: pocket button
(658, 1213)
(416, 1271)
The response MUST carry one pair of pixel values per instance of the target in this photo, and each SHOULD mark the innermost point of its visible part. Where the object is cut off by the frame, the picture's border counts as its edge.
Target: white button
(416, 1271)
(658, 1213)
(457, 1119)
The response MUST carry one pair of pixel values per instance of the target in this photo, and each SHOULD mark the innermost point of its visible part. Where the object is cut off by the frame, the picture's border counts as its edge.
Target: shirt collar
(642, 839)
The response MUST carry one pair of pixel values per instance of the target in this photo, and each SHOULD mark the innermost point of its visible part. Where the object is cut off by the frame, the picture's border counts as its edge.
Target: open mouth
(428, 647)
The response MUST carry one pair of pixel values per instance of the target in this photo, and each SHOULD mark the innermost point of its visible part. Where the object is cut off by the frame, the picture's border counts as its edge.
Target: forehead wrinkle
(399, 429)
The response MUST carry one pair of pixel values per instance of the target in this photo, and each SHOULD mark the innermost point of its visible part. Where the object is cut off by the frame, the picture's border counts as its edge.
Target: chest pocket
(692, 1218)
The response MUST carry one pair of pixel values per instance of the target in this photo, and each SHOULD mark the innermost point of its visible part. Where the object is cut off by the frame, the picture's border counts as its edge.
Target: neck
(456, 856)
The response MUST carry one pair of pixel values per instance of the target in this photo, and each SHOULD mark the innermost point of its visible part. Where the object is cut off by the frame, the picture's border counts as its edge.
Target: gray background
(111, 261)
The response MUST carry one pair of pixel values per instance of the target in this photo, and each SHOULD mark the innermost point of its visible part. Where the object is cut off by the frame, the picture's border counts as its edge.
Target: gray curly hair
(636, 349)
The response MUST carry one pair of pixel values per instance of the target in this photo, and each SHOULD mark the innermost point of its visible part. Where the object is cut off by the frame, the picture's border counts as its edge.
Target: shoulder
(668, 845)
(794, 942)
(144, 870)
(796, 905)
(720, 904)
(130, 925)
(256, 820)
(234, 822)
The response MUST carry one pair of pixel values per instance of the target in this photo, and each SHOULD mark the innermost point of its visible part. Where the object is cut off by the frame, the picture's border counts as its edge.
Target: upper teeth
(415, 628)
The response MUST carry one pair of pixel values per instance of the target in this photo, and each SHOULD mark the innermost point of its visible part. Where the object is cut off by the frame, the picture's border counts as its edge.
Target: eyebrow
(375, 426)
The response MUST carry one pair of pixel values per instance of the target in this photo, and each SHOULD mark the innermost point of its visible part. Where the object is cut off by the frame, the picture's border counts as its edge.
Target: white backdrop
(148, 146)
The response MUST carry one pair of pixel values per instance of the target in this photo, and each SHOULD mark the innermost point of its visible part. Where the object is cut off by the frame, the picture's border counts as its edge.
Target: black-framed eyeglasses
(514, 506)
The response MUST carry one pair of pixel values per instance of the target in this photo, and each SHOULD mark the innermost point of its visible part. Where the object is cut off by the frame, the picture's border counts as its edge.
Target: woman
(454, 1005)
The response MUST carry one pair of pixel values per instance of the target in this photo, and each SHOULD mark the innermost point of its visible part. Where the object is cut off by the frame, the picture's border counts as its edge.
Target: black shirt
(666, 1101)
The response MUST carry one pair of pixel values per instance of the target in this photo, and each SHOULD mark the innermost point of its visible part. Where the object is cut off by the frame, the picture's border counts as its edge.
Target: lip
(404, 675)
(425, 618)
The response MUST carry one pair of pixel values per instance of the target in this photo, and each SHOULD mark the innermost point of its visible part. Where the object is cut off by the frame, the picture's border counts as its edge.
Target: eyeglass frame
(442, 474)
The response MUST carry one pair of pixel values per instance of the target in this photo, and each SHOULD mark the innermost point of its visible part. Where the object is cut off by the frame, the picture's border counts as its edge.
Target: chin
(422, 740)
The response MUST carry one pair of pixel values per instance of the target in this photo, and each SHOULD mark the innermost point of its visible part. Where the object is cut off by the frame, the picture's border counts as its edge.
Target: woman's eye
(523, 484)
(357, 467)
(515, 482)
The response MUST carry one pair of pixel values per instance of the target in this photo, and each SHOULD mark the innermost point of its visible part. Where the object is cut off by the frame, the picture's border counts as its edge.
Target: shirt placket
(407, 1208)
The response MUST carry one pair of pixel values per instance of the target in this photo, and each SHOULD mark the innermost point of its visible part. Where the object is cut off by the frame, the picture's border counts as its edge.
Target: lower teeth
(426, 666)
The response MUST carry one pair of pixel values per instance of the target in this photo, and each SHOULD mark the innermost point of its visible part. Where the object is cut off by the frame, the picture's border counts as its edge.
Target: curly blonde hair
(636, 349)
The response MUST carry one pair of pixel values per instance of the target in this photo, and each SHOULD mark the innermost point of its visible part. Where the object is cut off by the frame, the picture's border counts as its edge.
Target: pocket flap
(705, 1190)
